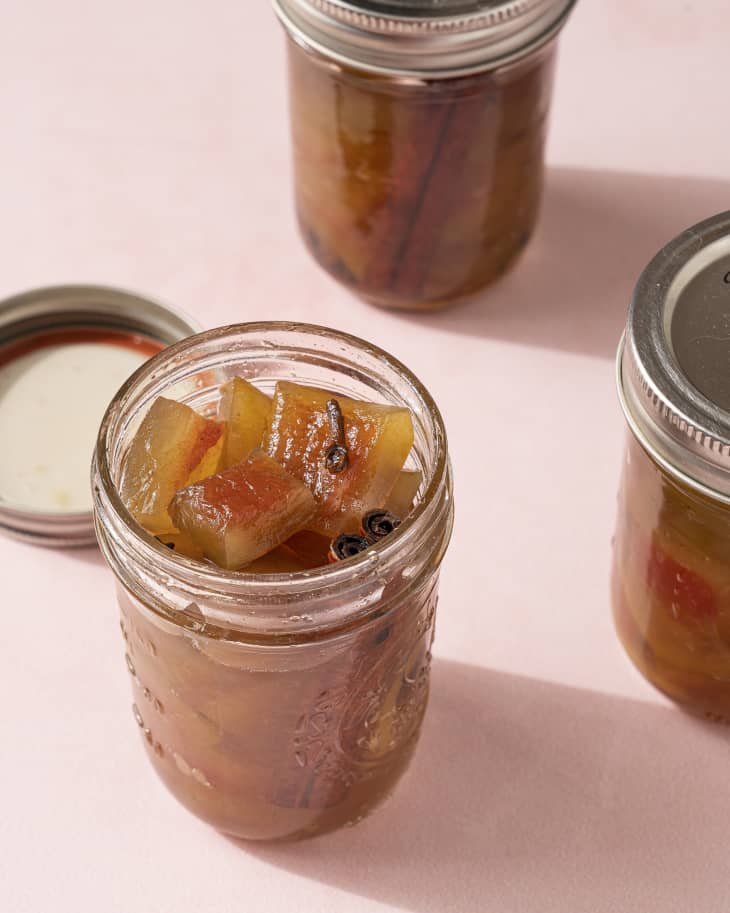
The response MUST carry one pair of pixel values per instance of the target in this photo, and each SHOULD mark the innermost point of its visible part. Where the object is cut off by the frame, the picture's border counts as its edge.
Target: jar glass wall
(671, 585)
(417, 193)
(277, 705)
(671, 579)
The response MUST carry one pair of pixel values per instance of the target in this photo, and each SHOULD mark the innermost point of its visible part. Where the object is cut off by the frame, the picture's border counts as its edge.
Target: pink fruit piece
(244, 512)
(350, 464)
(172, 446)
(311, 549)
(281, 560)
(181, 544)
(688, 596)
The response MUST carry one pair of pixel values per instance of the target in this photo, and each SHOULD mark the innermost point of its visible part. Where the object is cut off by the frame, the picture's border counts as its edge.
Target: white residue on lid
(51, 404)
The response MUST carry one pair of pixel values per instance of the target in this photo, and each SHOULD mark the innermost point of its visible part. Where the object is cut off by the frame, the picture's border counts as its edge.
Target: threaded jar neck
(423, 39)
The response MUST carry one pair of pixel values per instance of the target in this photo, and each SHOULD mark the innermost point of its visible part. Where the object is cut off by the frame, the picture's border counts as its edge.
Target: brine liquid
(671, 586)
(275, 742)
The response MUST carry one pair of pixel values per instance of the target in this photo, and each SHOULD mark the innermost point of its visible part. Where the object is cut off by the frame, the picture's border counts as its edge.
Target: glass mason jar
(418, 132)
(277, 705)
(671, 569)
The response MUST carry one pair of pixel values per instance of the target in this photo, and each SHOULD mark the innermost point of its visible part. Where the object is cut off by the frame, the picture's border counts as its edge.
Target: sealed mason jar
(671, 569)
(418, 132)
(277, 705)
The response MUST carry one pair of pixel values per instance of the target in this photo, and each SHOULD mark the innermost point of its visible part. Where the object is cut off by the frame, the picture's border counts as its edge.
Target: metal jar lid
(423, 38)
(65, 312)
(673, 366)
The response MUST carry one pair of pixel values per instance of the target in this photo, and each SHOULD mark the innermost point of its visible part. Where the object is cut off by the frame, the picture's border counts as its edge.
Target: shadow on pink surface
(530, 796)
(90, 555)
(597, 231)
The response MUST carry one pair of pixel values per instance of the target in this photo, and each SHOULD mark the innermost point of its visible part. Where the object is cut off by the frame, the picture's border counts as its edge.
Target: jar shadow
(572, 286)
(526, 795)
(88, 554)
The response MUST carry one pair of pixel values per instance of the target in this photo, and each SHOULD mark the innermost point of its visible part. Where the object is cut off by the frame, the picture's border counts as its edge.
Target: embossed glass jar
(418, 132)
(281, 705)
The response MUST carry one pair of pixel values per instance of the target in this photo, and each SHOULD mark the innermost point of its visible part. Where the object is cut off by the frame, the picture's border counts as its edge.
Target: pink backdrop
(145, 145)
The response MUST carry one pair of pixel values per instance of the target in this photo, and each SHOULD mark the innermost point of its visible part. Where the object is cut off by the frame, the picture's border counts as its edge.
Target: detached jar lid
(674, 360)
(64, 352)
(423, 38)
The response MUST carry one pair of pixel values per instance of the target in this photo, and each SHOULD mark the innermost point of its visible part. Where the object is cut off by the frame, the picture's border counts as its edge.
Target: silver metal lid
(43, 313)
(423, 38)
(673, 366)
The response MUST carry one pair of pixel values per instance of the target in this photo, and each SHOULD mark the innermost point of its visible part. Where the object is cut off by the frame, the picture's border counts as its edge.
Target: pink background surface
(145, 145)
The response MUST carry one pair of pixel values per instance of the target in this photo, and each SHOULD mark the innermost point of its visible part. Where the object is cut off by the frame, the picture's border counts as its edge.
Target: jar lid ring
(423, 40)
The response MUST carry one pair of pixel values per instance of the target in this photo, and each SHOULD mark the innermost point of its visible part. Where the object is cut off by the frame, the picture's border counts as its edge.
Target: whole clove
(337, 458)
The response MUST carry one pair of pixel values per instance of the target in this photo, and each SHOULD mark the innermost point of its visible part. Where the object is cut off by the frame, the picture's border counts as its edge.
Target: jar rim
(432, 45)
(262, 592)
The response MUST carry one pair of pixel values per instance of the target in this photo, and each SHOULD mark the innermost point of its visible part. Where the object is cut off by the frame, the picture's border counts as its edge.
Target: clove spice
(337, 458)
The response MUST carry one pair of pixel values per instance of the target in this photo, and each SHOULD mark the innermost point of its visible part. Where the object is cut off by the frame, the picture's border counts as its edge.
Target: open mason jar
(671, 570)
(277, 705)
(418, 133)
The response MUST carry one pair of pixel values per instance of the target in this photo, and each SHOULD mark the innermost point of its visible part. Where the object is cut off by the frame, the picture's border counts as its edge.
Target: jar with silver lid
(671, 569)
(418, 131)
